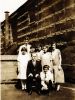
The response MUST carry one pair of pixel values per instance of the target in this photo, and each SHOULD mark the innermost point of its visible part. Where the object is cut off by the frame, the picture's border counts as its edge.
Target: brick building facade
(41, 21)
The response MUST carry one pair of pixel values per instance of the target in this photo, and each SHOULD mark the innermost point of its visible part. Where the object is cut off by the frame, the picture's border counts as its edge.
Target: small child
(23, 58)
(46, 78)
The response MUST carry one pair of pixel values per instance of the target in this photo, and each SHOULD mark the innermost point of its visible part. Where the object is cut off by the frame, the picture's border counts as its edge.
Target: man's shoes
(48, 94)
(30, 92)
(22, 88)
(58, 88)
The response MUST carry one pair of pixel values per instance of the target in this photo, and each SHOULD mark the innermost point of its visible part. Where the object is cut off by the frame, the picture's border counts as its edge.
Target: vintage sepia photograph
(37, 50)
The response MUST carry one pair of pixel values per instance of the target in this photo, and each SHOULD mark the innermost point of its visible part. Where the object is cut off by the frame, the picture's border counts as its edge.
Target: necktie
(45, 75)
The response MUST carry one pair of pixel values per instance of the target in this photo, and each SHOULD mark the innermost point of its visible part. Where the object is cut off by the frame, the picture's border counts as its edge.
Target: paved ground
(9, 92)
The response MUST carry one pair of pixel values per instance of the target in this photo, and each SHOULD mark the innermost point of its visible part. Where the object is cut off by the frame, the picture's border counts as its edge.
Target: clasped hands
(32, 75)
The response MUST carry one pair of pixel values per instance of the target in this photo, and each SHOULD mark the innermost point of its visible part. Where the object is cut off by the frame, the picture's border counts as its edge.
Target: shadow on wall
(69, 73)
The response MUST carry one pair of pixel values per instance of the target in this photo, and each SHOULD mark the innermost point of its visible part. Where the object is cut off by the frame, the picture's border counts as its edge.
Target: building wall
(6, 35)
(43, 21)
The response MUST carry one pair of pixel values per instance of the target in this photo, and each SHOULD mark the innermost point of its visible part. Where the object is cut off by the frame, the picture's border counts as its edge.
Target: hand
(51, 70)
(46, 81)
(44, 87)
(59, 68)
(30, 75)
(36, 75)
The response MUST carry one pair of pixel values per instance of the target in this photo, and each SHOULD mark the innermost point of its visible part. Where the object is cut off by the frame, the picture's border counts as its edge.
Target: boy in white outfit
(46, 78)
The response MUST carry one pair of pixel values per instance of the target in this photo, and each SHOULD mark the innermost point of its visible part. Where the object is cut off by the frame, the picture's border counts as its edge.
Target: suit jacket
(34, 69)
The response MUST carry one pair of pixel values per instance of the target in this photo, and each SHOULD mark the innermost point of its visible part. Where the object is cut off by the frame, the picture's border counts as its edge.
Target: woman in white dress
(46, 58)
(23, 58)
(58, 71)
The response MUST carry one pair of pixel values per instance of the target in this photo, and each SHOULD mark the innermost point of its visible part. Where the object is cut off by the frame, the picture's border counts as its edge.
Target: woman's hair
(24, 49)
(54, 43)
(46, 46)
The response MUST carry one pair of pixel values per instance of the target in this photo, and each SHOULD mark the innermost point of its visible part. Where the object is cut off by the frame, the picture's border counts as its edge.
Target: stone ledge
(8, 57)
(11, 81)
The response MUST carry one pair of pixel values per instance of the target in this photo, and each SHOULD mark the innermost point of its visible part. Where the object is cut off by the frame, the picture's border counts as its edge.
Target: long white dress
(58, 74)
(22, 65)
(46, 59)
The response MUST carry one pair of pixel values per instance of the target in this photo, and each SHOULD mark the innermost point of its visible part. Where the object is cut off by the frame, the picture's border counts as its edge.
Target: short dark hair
(45, 66)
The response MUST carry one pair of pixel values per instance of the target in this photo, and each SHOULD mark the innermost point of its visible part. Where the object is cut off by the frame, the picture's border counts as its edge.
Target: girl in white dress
(58, 71)
(23, 58)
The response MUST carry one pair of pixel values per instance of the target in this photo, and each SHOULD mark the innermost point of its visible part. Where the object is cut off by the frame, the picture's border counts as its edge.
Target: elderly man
(33, 74)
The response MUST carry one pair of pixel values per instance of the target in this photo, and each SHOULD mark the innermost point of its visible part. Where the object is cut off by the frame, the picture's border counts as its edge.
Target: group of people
(39, 68)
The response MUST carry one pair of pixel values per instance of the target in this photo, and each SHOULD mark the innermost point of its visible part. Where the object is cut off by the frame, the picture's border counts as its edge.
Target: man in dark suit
(33, 74)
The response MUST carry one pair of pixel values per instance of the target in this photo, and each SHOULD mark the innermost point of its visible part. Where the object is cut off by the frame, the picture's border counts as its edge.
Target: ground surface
(9, 92)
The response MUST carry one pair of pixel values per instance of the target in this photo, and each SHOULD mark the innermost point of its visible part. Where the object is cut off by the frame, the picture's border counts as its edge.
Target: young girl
(23, 58)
